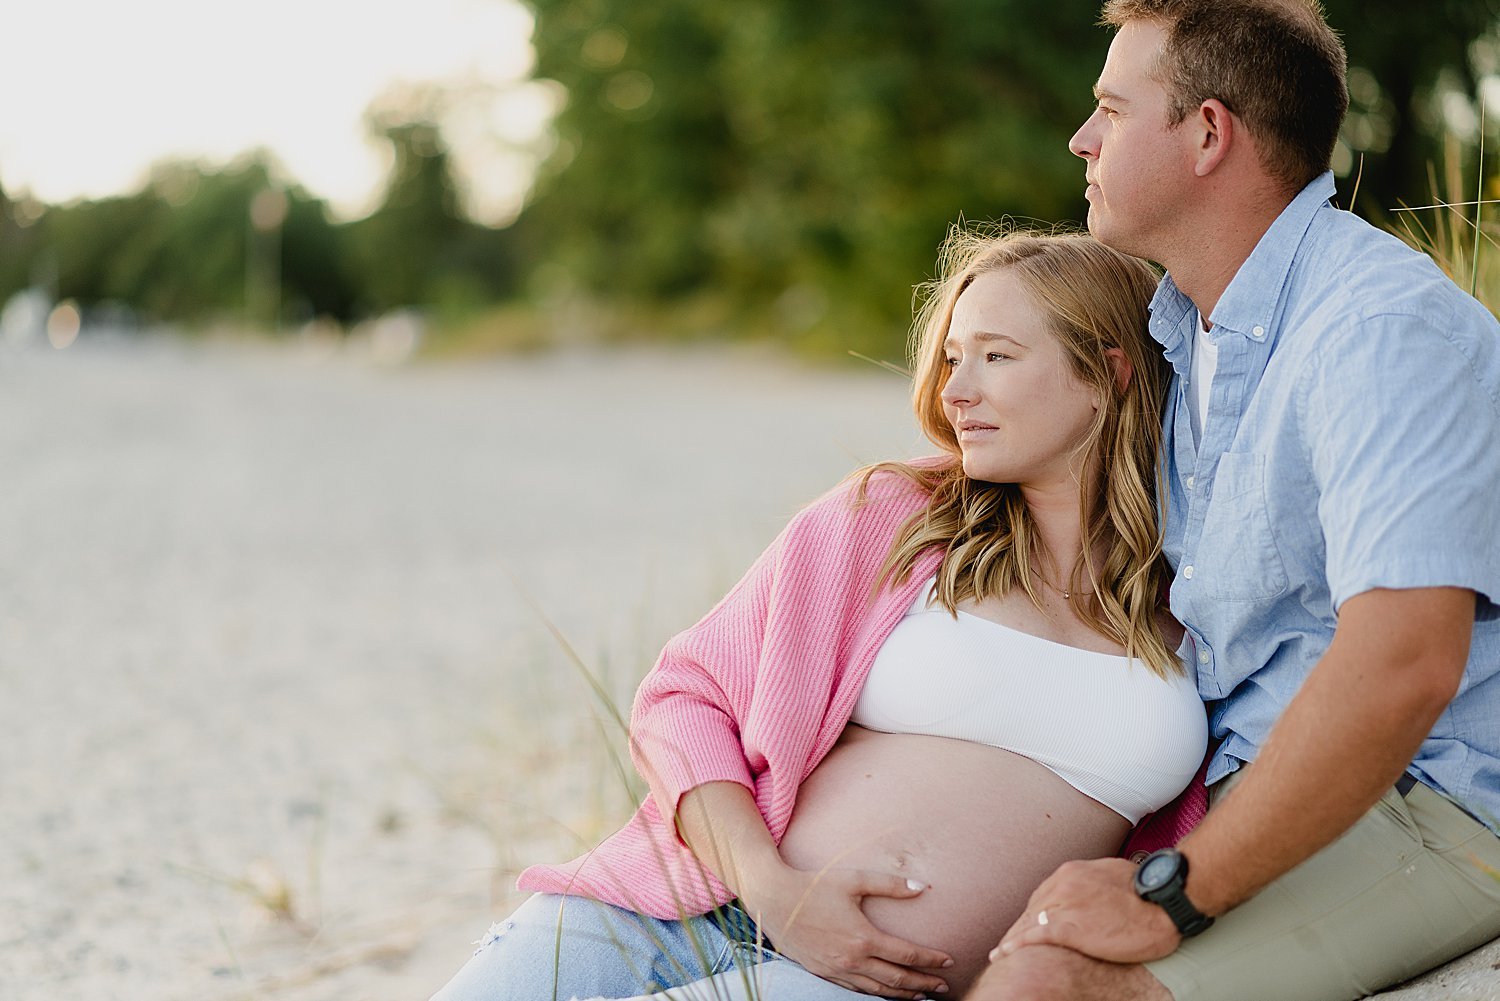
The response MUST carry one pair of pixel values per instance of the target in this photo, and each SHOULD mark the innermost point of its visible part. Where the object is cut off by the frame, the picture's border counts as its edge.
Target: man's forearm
(1344, 739)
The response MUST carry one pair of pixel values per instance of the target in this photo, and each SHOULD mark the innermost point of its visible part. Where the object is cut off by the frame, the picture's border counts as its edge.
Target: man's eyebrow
(1101, 94)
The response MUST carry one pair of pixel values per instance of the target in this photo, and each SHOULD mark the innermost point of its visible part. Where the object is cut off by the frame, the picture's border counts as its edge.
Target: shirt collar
(1169, 308)
(1253, 295)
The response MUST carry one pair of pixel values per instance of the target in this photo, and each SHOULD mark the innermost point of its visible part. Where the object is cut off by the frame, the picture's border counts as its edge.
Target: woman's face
(1018, 410)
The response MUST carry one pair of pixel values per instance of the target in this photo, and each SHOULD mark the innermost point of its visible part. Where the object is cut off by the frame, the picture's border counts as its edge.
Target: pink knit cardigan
(756, 692)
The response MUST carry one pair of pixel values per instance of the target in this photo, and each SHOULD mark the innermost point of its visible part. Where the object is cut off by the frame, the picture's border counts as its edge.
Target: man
(1333, 460)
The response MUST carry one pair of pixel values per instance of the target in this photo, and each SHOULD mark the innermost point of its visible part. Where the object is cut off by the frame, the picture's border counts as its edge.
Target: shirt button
(1187, 572)
(1204, 656)
(1257, 331)
(1190, 481)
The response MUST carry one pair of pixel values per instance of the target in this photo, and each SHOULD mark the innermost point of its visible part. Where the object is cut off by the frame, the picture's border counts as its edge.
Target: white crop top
(1107, 726)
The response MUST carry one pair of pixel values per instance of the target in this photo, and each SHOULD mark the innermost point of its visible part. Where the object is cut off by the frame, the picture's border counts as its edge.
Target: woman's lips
(974, 430)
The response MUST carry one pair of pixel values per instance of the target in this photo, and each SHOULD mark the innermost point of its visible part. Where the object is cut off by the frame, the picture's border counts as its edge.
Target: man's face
(1136, 164)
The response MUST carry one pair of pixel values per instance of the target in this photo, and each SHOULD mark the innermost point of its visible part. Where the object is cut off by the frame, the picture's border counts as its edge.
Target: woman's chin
(977, 469)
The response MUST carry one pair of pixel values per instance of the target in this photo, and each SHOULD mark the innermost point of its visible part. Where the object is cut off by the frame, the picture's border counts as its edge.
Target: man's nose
(1084, 142)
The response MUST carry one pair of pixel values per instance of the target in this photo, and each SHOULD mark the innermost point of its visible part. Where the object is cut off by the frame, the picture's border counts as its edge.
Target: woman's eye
(950, 362)
(995, 356)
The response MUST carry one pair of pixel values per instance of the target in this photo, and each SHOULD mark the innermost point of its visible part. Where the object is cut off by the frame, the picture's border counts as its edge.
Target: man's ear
(1217, 132)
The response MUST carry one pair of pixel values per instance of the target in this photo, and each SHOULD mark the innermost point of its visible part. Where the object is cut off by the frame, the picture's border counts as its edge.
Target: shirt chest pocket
(1237, 558)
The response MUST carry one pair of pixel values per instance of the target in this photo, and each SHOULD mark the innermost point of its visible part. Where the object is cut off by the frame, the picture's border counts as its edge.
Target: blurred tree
(810, 156)
(1404, 59)
(178, 249)
(18, 247)
(417, 248)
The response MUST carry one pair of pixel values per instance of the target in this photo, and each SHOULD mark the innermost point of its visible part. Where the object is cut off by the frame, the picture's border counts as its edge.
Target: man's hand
(815, 918)
(1091, 907)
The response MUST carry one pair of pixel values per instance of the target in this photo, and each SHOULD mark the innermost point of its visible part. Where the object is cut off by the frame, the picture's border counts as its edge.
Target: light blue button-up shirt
(1352, 442)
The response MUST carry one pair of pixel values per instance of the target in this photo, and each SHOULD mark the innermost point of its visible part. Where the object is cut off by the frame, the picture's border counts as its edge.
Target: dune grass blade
(1478, 207)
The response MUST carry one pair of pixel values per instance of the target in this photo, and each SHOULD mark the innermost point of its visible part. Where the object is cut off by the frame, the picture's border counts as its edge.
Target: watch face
(1157, 872)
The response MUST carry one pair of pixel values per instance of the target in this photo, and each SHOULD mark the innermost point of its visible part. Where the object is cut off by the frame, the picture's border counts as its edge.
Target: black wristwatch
(1161, 879)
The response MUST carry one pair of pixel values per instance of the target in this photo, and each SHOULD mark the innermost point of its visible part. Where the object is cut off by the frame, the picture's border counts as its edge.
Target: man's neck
(1215, 249)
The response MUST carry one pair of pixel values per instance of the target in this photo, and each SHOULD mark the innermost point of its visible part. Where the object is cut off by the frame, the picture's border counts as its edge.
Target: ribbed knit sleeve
(758, 672)
(689, 711)
(756, 692)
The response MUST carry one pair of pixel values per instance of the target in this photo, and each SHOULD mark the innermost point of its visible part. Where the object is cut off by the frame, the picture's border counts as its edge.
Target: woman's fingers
(899, 980)
(888, 947)
(865, 985)
(898, 952)
(886, 981)
(829, 934)
(880, 884)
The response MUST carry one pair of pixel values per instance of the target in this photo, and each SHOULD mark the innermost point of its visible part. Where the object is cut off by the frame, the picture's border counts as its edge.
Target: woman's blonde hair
(1096, 298)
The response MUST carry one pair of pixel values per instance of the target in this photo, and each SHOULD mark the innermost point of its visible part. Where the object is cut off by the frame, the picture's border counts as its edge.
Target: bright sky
(98, 90)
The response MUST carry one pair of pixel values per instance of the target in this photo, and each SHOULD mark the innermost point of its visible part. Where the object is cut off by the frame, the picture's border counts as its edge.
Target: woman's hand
(816, 919)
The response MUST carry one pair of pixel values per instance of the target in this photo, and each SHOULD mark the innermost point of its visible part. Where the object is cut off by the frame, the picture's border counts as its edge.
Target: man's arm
(1394, 664)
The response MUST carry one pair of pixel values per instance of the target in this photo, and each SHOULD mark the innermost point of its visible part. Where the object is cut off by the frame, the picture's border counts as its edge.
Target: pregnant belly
(982, 827)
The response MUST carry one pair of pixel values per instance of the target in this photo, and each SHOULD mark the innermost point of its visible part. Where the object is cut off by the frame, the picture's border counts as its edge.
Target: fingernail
(942, 988)
(947, 963)
(912, 884)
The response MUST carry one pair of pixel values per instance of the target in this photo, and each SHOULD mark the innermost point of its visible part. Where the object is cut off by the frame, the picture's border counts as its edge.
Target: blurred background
(516, 175)
(381, 384)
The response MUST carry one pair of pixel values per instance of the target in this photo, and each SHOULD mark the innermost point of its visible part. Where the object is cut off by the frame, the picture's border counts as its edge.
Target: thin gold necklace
(1067, 595)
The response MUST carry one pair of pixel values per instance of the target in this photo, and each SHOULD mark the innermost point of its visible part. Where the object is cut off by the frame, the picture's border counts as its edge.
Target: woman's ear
(1123, 370)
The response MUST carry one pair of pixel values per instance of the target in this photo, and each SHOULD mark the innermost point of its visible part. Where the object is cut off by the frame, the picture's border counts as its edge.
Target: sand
(280, 718)
(283, 714)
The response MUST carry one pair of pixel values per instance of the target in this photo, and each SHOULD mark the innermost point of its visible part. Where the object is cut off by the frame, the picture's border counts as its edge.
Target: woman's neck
(1059, 533)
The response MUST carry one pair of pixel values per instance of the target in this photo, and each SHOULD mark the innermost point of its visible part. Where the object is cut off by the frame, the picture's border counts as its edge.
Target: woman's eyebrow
(986, 336)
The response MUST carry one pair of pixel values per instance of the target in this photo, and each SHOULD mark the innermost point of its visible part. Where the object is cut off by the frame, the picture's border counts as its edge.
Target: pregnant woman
(941, 681)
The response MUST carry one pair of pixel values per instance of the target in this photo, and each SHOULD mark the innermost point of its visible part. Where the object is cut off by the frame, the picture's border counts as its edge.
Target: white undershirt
(1201, 376)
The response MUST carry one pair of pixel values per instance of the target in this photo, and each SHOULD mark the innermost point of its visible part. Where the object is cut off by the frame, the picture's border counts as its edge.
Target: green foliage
(767, 167)
(803, 160)
(188, 247)
(1456, 226)
(1403, 57)
(181, 248)
(399, 246)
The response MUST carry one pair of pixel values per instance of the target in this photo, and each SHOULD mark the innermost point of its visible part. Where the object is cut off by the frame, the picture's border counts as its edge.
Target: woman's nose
(958, 391)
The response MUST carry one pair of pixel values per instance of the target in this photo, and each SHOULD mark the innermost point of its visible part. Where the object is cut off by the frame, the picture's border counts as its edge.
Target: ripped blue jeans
(556, 948)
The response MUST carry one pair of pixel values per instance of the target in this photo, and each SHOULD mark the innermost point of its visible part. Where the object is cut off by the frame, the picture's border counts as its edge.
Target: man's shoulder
(1351, 281)
(1362, 270)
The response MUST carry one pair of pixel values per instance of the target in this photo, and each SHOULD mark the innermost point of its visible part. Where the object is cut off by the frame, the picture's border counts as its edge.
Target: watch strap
(1172, 897)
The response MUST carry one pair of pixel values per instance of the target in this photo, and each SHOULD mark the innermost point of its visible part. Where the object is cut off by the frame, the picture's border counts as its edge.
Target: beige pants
(1413, 884)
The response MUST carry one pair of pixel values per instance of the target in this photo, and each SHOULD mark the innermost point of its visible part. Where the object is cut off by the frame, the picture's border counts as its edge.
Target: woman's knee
(565, 947)
(536, 954)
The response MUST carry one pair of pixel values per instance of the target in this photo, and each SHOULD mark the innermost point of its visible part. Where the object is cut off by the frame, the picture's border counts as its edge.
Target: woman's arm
(765, 662)
(814, 918)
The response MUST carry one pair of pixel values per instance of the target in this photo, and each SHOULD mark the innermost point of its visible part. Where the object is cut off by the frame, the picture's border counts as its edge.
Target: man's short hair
(1274, 63)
